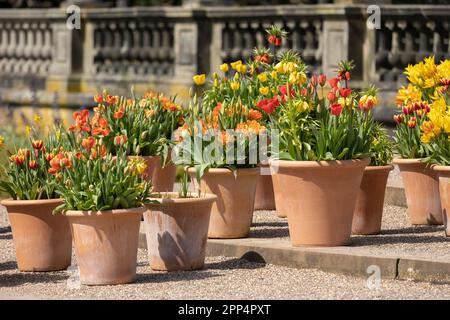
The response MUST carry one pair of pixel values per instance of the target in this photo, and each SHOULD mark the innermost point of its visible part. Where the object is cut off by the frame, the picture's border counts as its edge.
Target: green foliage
(381, 147)
(103, 183)
(25, 175)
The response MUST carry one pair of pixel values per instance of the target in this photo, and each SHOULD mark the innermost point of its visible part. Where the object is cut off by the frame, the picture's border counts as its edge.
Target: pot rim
(207, 197)
(79, 213)
(441, 168)
(242, 171)
(318, 164)
(10, 202)
(399, 160)
(388, 167)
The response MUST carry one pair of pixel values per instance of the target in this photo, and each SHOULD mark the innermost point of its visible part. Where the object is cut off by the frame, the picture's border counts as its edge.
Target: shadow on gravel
(270, 224)
(17, 279)
(5, 229)
(270, 233)
(250, 260)
(417, 229)
(381, 239)
(8, 265)
(6, 236)
(173, 276)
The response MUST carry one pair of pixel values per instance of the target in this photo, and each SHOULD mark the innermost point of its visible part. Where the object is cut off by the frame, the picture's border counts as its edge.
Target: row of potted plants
(421, 140)
(90, 185)
(328, 162)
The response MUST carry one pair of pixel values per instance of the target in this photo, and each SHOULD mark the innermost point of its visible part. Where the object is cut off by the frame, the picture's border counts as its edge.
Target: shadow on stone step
(413, 229)
(377, 240)
(8, 265)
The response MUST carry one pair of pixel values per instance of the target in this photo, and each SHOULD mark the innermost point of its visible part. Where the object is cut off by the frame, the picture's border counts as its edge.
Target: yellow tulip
(2, 142)
(235, 65)
(274, 74)
(262, 77)
(297, 78)
(234, 85)
(199, 79)
(224, 67)
(242, 68)
(264, 90)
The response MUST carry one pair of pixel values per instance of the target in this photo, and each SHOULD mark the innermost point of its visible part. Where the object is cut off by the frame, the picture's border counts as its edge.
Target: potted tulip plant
(42, 240)
(104, 200)
(415, 101)
(435, 133)
(220, 144)
(370, 200)
(176, 226)
(324, 146)
(148, 123)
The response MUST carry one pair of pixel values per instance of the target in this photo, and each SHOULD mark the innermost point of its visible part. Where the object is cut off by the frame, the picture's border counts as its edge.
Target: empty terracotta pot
(41, 239)
(106, 244)
(444, 192)
(370, 200)
(421, 190)
(176, 231)
(232, 212)
(162, 179)
(319, 198)
(264, 196)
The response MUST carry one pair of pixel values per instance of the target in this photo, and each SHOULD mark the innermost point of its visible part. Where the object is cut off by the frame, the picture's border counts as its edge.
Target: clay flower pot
(264, 196)
(370, 200)
(319, 198)
(421, 190)
(232, 213)
(177, 230)
(280, 204)
(162, 179)
(444, 191)
(106, 244)
(41, 239)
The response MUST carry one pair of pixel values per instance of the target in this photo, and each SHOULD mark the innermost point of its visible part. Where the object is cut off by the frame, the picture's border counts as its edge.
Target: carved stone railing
(162, 48)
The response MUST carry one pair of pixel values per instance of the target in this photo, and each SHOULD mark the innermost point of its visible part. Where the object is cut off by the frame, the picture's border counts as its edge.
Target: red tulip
(336, 109)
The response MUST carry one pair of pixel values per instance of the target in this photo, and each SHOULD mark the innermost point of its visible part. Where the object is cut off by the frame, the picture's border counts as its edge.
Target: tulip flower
(199, 79)
(336, 109)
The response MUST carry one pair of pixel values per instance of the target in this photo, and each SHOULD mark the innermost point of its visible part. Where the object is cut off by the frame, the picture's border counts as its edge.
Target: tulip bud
(322, 80)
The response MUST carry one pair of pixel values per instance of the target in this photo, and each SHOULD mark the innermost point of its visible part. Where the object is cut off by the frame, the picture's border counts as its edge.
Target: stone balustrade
(162, 48)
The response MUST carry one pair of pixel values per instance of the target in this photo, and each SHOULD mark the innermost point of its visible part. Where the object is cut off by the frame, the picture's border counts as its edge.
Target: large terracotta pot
(232, 213)
(41, 239)
(162, 179)
(370, 200)
(421, 190)
(177, 230)
(264, 196)
(319, 198)
(106, 244)
(444, 191)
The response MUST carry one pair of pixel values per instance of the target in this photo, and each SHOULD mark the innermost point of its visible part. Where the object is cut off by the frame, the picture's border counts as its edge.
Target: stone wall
(43, 63)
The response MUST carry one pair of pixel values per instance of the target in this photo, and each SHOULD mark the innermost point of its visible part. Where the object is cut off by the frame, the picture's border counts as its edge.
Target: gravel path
(223, 278)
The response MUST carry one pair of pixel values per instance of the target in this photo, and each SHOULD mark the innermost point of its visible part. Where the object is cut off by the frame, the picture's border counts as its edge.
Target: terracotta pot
(370, 200)
(264, 196)
(106, 244)
(176, 231)
(41, 239)
(232, 213)
(163, 179)
(422, 191)
(319, 198)
(444, 191)
(280, 204)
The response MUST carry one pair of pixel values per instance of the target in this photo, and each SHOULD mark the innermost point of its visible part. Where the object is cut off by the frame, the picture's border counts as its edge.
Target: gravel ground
(223, 278)
(398, 237)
